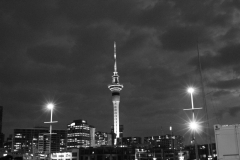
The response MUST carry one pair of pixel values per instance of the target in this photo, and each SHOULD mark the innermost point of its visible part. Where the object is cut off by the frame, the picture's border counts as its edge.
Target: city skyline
(62, 51)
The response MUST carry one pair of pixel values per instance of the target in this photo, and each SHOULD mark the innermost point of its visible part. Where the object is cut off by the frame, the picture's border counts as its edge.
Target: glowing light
(190, 90)
(50, 105)
(194, 125)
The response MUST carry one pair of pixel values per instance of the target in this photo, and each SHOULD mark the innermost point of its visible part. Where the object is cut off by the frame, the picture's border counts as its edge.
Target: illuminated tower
(115, 88)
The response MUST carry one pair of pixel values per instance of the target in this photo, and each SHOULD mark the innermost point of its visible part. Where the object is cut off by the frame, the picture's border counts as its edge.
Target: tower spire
(115, 77)
(115, 58)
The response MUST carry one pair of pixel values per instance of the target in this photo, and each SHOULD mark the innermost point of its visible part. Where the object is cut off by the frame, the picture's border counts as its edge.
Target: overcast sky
(62, 51)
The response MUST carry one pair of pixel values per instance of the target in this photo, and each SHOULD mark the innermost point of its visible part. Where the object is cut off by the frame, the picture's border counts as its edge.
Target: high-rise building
(78, 134)
(115, 88)
(37, 140)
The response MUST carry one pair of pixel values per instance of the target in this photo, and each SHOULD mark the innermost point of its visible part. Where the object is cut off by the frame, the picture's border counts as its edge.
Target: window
(74, 154)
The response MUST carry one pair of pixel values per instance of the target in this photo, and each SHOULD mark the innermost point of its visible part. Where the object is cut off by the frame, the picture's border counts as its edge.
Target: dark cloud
(204, 12)
(233, 111)
(226, 56)
(183, 38)
(85, 12)
(48, 54)
(231, 35)
(227, 84)
(229, 55)
(220, 93)
(158, 15)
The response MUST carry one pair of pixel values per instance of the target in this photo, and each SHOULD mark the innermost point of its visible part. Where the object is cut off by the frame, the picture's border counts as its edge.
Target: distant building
(8, 143)
(79, 135)
(58, 141)
(125, 153)
(165, 141)
(107, 153)
(131, 141)
(37, 140)
(189, 151)
(103, 139)
(119, 139)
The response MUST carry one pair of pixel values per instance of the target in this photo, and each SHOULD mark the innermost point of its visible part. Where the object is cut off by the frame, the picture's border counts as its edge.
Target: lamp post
(193, 125)
(50, 106)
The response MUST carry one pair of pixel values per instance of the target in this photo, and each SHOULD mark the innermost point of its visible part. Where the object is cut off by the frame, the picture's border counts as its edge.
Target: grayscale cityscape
(119, 80)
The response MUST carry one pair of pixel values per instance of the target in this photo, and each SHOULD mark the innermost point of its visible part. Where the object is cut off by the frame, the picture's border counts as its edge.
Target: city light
(190, 90)
(50, 105)
(194, 126)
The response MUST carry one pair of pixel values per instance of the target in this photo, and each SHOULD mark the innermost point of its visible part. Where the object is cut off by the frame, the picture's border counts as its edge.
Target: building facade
(78, 134)
(37, 140)
(8, 143)
(131, 141)
(103, 139)
(165, 141)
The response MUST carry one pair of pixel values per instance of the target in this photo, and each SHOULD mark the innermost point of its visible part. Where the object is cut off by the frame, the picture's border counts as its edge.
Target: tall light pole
(50, 106)
(193, 125)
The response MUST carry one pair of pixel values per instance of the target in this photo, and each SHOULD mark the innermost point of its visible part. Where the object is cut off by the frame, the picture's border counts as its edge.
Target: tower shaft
(116, 117)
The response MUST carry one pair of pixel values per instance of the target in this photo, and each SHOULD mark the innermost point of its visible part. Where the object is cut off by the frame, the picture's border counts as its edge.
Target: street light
(50, 106)
(193, 125)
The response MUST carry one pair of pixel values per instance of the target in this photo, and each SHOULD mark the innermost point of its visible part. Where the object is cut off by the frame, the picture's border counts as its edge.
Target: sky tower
(115, 88)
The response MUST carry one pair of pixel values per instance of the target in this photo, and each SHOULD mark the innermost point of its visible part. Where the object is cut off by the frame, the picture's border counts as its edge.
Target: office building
(58, 139)
(79, 135)
(115, 88)
(37, 140)
(103, 139)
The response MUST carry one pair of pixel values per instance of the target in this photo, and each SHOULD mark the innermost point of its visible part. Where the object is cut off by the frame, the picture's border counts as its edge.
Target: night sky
(62, 51)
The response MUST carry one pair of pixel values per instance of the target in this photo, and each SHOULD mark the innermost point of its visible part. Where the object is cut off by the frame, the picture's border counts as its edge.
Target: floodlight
(194, 125)
(190, 90)
(50, 105)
